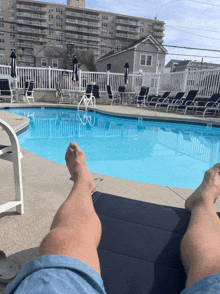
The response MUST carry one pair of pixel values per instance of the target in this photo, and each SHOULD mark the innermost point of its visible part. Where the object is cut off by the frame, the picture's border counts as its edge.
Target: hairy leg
(76, 228)
(200, 247)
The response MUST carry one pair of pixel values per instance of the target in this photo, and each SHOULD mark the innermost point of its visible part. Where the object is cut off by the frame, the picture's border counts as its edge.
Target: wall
(117, 62)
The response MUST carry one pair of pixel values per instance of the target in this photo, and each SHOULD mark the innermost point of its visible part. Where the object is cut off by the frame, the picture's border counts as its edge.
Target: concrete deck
(46, 185)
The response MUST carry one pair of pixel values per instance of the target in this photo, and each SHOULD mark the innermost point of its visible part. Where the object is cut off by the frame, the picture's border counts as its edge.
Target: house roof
(134, 45)
(48, 51)
(170, 63)
(183, 63)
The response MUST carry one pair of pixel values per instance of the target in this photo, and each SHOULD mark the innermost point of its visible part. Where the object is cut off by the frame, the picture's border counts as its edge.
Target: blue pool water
(168, 154)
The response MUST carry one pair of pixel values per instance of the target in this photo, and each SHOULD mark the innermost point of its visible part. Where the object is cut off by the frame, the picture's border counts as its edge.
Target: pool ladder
(86, 100)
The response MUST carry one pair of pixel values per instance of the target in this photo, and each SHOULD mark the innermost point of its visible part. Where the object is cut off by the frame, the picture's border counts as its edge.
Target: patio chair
(212, 102)
(175, 101)
(214, 109)
(62, 95)
(12, 153)
(156, 100)
(189, 100)
(96, 93)
(141, 97)
(112, 96)
(87, 97)
(28, 92)
(6, 93)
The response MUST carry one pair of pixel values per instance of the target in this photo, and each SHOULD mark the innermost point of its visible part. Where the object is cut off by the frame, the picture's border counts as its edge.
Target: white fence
(207, 82)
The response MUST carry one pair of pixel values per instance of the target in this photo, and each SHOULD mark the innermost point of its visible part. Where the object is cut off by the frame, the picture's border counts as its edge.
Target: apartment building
(25, 24)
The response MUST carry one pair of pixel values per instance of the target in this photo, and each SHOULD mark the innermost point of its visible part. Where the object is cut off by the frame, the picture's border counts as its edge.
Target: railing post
(158, 82)
(80, 80)
(185, 81)
(108, 74)
(49, 77)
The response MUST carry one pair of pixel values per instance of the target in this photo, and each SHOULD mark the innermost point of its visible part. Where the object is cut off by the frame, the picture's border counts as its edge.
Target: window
(2, 62)
(11, 4)
(11, 19)
(50, 16)
(104, 32)
(1, 25)
(105, 17)
(11, 11)
(59, 25)
(12, 35)
(43, 62)
(1, 9)
(55, 63)
(142, 23)
(2, 48)
(103, 51)
(111, 33)
(2, 40)
(150, 24)
(141, 30)
(1, 2)
(12, 27)
(50, 9)
(59, 17)
(2, 34)
(60, 10)
(51, 24)
(1, 18)
(104, 24)
(109, 66)
(2, 55)
(112, 18)
(146, 60)
(59, 33)
(50, 32)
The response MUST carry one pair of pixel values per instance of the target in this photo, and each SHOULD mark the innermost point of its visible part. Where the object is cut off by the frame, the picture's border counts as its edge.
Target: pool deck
(46, 185)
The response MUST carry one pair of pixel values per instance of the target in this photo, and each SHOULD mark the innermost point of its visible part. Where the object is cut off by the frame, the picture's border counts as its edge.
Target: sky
(188, 23)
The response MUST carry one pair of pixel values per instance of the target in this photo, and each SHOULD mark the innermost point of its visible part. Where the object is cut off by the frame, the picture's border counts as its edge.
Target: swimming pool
(161, 153)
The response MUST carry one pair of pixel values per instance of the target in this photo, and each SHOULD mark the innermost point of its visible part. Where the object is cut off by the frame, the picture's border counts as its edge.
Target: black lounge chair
(112, 96)
(139, 250)
(215, 109)
(186, 102)
(28, 92)
(212, 102)
(142, 96)
(95, 93)
(156, 100)
(6, 93)
(175, 100)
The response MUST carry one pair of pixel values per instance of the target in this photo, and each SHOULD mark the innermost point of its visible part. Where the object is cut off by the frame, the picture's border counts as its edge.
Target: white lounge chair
(28, 92)
(12, 153)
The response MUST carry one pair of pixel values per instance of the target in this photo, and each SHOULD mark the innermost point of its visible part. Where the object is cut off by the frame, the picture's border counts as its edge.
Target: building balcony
(31, 7)
(31, 38)
(127, 29)
(158, 27)
(80, 22)
(82, 15)
(85, 37)
(158, 34)
(33, 23)
(31, 15)
(25, 44)
(26, 52)
(127, 36)
(32, 31)
(83, 30)
(127, 22)
(26, 59)
(86, 44)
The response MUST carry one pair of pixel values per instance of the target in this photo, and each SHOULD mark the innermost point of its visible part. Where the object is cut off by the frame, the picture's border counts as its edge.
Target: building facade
(146, 55)
(25, 24)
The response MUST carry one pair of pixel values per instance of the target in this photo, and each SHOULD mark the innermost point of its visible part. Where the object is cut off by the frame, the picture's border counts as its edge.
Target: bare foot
(76, 163)
(209, 190)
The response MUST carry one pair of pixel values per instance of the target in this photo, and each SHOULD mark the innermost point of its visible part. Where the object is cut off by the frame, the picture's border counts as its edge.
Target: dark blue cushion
(140, 246)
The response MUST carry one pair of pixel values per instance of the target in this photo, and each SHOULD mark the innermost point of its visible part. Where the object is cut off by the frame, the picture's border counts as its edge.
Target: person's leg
(76, 228)
(200, 246)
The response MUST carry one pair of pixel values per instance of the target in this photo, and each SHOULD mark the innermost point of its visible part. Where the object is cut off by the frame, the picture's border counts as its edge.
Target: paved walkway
(47, 184)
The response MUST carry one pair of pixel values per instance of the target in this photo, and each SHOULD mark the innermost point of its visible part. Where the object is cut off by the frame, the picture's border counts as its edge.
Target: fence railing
(207, 82)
